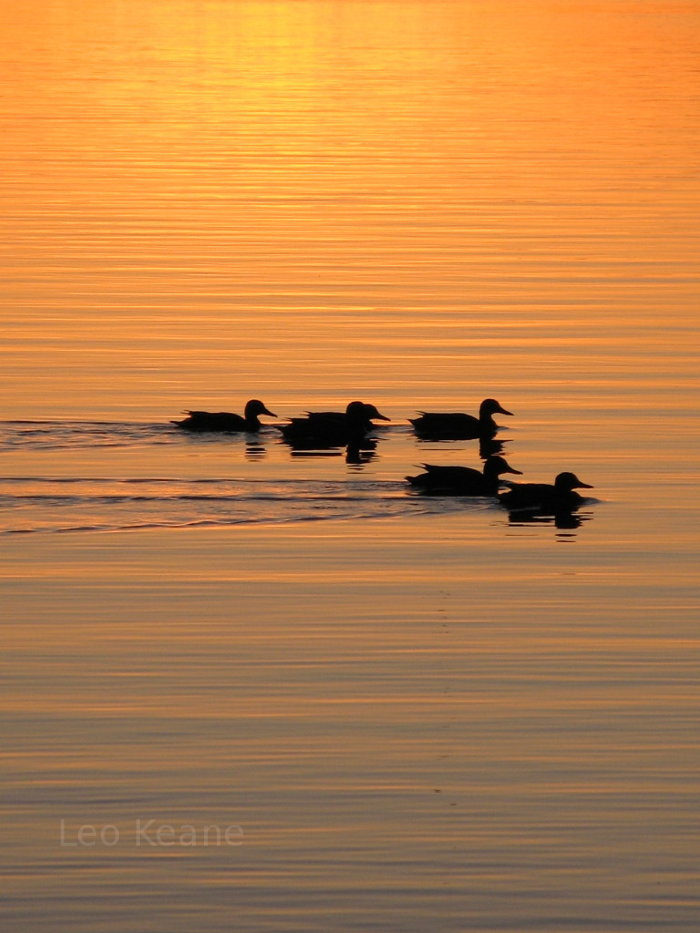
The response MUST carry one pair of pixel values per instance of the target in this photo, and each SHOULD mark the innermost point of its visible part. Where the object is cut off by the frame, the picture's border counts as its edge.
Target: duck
(458, 426)
(462, 481)
(331, 428)
(371, 413)
(226, 421)
(545, 497)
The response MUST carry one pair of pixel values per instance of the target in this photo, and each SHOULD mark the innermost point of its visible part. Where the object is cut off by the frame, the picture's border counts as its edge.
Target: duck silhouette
(370, 414)
(332, 428)
(546, 498)
(459, 426)
(226, 421)
(462, 481)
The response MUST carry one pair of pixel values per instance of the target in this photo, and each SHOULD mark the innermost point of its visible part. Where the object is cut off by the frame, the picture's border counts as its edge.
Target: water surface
(417, 713)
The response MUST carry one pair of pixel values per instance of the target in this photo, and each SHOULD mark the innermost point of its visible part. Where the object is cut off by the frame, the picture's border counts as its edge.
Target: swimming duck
(226, 420)
(331, 428)
(370, 414)
(455, 425)
(462, 481)
(547, 498)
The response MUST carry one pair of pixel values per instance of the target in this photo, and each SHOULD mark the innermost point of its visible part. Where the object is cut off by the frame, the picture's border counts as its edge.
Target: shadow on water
(564, 520)
(255, 450)
(488, 446)
(355, 454)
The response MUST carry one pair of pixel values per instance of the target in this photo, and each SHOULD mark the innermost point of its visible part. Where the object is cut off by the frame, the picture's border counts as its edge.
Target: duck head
(372, 413)
(566, 482)
(490, 406)
(361, 411)
(495, 466)
(355, 411)
(255, 407)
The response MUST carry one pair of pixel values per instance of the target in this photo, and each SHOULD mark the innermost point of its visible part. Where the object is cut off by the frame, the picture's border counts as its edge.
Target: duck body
(332, 428)
(462, 481)
(561, 496)
(226, 421)
(367, 415)
(457, 425)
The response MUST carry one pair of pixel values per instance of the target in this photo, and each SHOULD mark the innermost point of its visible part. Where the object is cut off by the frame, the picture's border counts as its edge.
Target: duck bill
(583, 486)
(266, 411)
(380, 417)
(517, 472)
(504, 411)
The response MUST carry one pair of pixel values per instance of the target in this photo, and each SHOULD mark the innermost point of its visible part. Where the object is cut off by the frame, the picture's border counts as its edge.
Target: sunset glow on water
(416, 713)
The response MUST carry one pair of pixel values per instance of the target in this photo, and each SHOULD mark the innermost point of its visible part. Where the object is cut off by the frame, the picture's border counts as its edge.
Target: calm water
(410, 714)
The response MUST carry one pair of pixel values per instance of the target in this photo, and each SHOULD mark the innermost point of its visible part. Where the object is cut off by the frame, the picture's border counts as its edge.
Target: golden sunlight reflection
(424, 711)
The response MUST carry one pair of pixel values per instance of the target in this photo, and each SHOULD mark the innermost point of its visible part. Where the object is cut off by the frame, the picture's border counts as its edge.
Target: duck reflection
(565, 520)
(356, 454)
(359, 454)
(255, 450)
(488, 446)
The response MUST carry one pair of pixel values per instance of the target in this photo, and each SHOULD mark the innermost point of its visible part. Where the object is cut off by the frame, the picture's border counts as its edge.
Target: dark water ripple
(51, 510)
(72, 435)
(40, 503)
(36, 503)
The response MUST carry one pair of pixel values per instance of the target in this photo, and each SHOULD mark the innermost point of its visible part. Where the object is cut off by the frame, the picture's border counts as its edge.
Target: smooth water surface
(412, 713)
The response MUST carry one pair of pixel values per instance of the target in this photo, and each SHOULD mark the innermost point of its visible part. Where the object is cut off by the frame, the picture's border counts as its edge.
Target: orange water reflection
(198, 190)
(434, 721)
